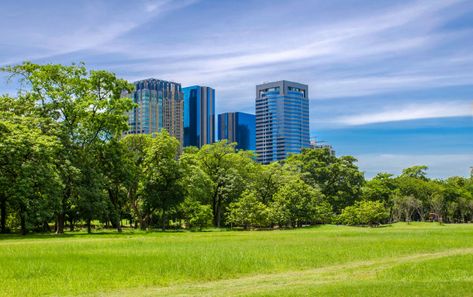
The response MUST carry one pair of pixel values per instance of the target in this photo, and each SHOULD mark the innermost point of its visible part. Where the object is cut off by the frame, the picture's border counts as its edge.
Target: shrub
(364, 213)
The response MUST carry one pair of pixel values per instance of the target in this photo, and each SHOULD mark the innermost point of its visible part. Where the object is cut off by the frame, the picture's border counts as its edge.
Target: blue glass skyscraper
(199, 116)
(159, 107)
(238, 127)
(282, 120)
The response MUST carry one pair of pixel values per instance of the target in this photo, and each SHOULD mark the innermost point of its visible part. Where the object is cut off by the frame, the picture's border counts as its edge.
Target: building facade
(238, 127)
(160, 106)
(282, 120)
(199, 116)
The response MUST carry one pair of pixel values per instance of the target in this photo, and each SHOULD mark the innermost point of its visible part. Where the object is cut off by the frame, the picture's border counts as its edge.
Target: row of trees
(64, 162)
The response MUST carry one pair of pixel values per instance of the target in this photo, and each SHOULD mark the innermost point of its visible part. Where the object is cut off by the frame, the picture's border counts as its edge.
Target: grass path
(264, 283)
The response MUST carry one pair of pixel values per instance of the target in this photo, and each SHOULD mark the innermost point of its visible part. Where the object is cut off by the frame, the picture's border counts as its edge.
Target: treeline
(64, 164)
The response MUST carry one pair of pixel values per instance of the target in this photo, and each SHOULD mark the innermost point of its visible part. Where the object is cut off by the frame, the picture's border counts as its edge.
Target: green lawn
(421, 259)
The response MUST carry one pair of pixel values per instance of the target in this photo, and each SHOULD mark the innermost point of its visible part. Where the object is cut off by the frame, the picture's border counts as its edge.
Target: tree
(338, 178)
(29, 182)
(267, 179)
(418, 172)
(438, 206)
(364, 213)
(381, 187)
(162, 173)
(228, 171)
(135, 147)
(196, 214)
(247, 211)
(84, 108)
(295, 204)
(406, 206)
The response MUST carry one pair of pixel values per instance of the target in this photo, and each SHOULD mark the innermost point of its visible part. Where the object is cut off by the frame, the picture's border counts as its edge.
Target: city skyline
(391, 82)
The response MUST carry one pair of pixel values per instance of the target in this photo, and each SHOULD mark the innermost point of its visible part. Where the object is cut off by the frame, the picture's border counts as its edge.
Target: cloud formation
(410, 112)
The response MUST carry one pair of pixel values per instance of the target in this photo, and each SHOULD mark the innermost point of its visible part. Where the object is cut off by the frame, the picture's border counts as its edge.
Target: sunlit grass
(109, 262)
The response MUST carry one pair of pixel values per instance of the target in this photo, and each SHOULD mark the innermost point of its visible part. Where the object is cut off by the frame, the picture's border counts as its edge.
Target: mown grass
(326, 261)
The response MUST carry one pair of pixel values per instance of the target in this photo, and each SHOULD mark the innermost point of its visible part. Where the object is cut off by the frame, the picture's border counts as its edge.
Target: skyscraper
(160, 106)
(282, 120)
(199, 116)
(238, 127)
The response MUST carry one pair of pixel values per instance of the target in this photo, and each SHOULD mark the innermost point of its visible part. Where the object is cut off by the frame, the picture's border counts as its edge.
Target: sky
(390, 82)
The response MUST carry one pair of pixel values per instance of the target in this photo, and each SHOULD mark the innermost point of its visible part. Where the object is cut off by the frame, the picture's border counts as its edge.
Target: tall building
(199, 116)
(238, 127)
(282, 120)
(160, 105)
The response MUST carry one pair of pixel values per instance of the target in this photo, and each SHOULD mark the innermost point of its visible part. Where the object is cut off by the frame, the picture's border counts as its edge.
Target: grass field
(420, 259)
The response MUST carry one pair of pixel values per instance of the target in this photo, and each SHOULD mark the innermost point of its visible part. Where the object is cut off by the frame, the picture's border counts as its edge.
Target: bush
(364, 213)
(248, 211)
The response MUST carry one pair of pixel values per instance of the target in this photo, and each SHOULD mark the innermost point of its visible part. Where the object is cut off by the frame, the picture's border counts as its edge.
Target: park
(416, 259)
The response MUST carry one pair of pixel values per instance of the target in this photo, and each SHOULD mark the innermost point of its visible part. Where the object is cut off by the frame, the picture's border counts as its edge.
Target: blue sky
(390, 82)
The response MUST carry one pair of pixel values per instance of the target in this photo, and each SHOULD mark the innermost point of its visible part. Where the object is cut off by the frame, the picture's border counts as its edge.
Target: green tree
(196, 214)
(247, 211)
(85, 108)
(364, 213)
(29, 181)
(135, 147)
(295, 204)
(229, 172)
(162, 174)
(405, 207)
(338, 178)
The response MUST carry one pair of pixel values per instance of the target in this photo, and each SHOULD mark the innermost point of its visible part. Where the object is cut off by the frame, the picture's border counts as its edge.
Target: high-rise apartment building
(160, 106)
(238, 127)
(199, 116)
(282, 120)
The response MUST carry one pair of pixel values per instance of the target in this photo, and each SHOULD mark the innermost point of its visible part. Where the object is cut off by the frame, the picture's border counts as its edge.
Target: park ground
(420, 259)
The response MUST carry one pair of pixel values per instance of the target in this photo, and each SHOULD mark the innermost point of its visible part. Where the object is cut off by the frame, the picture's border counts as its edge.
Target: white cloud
(410, 112)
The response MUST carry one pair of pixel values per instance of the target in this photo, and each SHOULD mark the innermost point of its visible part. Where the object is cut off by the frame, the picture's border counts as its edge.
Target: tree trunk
(60, 223)
(163, 221)
(24, 231)
(89, 227)
(46, 227)
(71, 224)
(3, 214)
(215, 208)
(119, 223)
(218, 216)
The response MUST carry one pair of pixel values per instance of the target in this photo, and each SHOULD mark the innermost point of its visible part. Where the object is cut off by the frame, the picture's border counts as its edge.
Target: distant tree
(247, 211)
(196, 214)
(338, 178)
(418, 172)
(380, 188)
(406, 206)
(228, 171)
(295, 204)
(439, 206)
(364, 213)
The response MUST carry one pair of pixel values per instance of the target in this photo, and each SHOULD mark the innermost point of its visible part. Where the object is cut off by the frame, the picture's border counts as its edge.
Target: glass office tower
(282, 120)
(238, 127)
(160, 105)
(199, 116)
